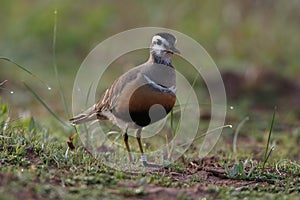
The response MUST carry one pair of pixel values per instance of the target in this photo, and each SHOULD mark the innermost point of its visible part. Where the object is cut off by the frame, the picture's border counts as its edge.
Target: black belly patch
(154, 114)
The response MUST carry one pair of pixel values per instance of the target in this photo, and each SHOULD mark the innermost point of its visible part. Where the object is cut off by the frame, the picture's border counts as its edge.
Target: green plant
(239, 171)
(237, 132)
(62, 94)
(267, 151)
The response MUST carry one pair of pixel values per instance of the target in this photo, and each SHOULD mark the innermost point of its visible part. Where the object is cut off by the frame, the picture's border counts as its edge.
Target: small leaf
(235, 170)
(250, 172)
(20, 148)
(242, 169)
(227, 171)
(3, 109)
(32, 128)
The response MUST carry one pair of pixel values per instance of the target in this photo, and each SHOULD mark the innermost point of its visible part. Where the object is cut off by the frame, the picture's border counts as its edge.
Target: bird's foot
(147, 164)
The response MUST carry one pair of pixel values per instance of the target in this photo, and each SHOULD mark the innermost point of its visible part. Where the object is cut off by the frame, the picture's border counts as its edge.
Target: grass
(41, 159)
(268, 152)
(26, 71)
(239, 170)
(30, 155)
(38, 163)
(56, 168)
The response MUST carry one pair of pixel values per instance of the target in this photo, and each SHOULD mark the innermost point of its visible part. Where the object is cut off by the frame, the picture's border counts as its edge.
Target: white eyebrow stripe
(158, 47)
(163, 40)
(157, 86)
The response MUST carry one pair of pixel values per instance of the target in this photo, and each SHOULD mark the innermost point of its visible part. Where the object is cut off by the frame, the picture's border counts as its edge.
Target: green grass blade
(26, 70)
(267, 153)
(46, 106)
(237, 132)
(62, 94)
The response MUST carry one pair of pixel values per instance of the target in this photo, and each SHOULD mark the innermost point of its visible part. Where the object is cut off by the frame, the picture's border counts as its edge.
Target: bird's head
(163, 45)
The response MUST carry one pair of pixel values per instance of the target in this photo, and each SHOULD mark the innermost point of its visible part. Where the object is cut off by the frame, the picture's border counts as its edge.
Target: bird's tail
(89, 115)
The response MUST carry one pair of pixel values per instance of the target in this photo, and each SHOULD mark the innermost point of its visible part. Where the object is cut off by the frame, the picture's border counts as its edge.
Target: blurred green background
(254, 43)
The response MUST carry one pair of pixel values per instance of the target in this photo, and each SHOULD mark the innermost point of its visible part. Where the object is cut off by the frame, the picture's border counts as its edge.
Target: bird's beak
(173, 49)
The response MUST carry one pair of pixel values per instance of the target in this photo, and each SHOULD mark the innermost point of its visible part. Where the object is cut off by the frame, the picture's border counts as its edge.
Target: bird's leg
(125, 137)
(144, 158)
(138, 138)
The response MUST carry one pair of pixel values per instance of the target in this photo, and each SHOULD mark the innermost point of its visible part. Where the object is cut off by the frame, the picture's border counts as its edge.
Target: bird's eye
(158, 42)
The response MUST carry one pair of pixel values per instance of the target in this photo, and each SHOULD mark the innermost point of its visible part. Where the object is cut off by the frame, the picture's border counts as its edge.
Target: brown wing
(105, 102)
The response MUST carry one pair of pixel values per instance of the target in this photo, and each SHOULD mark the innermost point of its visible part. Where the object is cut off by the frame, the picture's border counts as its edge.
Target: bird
(143, 95)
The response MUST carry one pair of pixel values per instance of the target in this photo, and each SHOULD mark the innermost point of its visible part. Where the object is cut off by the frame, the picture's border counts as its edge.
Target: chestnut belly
(148, 105)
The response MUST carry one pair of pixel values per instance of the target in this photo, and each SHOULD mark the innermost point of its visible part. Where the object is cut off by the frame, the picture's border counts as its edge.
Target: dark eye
(158, 42)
